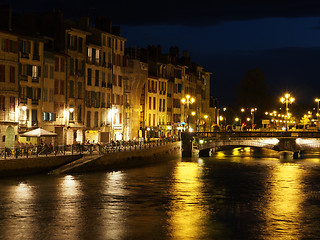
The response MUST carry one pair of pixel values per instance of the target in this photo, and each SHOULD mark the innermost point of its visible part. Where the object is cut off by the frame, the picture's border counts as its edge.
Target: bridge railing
(278, 134)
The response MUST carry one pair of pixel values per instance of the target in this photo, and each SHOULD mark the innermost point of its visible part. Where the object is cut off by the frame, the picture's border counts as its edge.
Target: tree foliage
(253, 90)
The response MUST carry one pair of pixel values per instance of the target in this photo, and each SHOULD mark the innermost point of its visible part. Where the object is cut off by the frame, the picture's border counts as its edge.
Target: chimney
(84, 22)
(6, 17)
(185, 54)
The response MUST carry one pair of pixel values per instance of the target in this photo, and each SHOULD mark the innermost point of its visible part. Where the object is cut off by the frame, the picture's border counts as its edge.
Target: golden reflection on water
(68, 210)
(112, 214)
(22, 196)
(283, 212)
(187, 216)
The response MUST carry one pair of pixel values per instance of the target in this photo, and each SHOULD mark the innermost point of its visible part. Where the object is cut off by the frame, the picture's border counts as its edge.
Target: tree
(253, 90)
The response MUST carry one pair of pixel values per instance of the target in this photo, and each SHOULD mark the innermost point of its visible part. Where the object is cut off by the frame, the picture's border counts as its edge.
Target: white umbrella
(39, 132)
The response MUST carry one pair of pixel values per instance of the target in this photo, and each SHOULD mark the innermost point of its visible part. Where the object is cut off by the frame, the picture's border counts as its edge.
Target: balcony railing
(35, 79)
(7, 116)
(23, 78)
(25, 55)
(23, 100)
(36, 57)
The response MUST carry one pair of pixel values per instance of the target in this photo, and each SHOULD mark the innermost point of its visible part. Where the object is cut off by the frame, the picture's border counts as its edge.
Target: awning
(39, 132)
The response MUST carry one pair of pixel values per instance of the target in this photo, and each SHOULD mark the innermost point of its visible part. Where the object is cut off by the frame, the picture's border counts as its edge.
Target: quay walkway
(76, 149)
(85, 158)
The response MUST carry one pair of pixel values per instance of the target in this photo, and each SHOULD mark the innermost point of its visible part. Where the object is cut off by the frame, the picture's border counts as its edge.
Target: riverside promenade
(85, 158)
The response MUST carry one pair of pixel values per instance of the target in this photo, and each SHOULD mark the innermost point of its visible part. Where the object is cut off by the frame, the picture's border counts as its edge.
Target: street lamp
(112, 113)
(188, 100)
(286, 100)
(317, 100)
(205, 124)
(252, 114)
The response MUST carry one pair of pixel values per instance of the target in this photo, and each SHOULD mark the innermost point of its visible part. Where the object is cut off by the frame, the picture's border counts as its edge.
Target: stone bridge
(291, 142)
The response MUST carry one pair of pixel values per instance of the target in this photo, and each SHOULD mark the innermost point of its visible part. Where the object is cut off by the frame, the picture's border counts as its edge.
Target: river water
(242, 193)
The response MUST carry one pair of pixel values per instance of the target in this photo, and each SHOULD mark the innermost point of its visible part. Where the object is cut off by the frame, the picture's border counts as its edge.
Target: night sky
(228, 38)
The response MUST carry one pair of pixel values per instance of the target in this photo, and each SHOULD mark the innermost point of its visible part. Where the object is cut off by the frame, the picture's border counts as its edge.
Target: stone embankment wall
(35, 165)
(107, 162)
(122, 160)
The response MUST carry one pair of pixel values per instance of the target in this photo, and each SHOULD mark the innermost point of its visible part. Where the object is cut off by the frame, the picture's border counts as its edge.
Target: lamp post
(112, 113)
(286, 100)
(317, 100)
(252, 114)
(187, 100)
(193, 114)
(205, 123)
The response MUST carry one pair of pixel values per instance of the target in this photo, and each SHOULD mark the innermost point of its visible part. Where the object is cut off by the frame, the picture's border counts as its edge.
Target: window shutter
(29, 70)
(29, 92)
(39, 93)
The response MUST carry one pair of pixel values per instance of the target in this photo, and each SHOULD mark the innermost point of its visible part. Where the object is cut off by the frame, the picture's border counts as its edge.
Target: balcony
(34, 102)
(35, 79)
(23, 123)
(23, 78)
(23, 100)
(25, 55)
(103, 84)
(7, 116)
(109, 85)
(36, 57)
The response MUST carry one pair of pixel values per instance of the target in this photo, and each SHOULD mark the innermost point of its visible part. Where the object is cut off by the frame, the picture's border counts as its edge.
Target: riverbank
(106, 162)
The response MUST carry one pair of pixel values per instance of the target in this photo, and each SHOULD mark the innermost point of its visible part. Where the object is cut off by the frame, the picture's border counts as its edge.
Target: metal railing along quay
(75, 149)
(246, 134)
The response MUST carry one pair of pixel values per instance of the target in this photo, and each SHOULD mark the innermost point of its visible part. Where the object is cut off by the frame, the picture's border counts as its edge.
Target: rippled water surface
(235, 194)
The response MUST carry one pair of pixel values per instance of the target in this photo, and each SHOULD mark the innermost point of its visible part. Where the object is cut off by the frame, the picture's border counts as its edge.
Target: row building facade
(80, 82)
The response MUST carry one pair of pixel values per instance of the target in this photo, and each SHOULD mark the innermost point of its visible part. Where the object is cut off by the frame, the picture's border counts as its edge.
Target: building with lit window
(31, 58)
(9, 88)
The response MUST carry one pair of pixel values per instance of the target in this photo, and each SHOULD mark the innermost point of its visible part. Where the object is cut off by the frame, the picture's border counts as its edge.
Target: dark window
(56, 64)
(2, 103)
(96, 119)
(12, 74)
(97, 78)
(71, 66)
(2, 73)
(61, 87)
(62, 65)
(71, 89)
(89, 77)
(88, 118)
(80, 44)
(56, 86)
(79, 90)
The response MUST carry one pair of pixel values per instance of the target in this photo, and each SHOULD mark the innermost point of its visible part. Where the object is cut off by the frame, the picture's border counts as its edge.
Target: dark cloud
(191, 13)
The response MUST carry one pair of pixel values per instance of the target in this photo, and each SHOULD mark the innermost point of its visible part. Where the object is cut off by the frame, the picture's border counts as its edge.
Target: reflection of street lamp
(286, 100)
(188, 100)
(317, 100)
